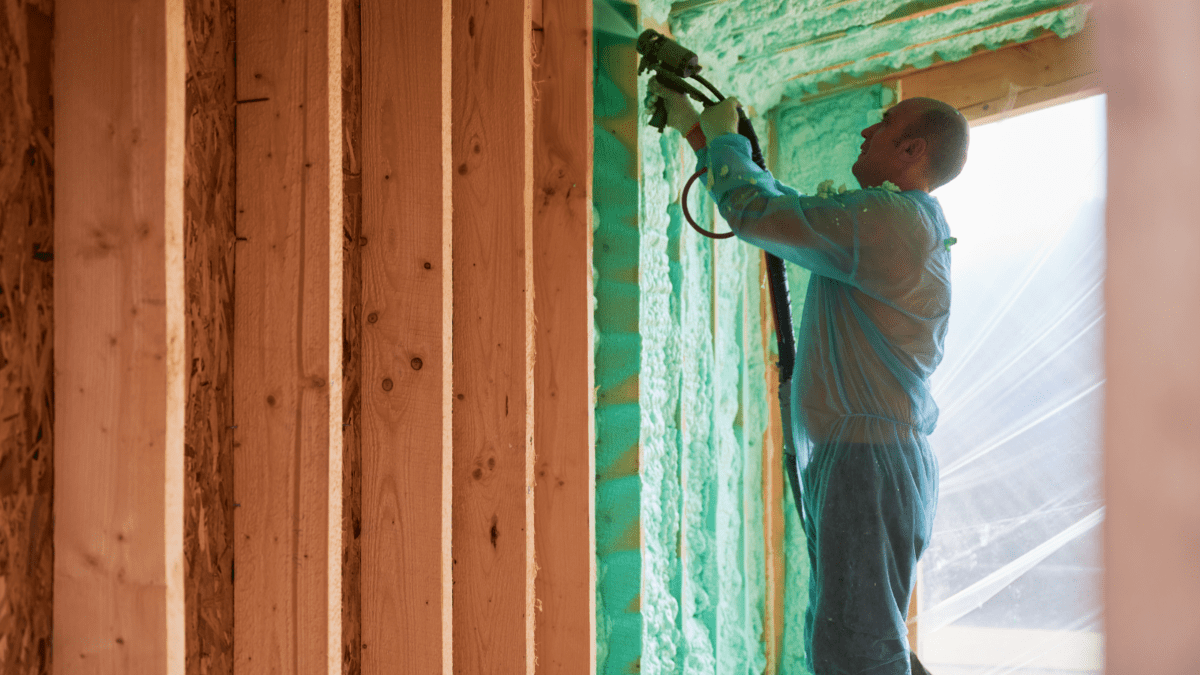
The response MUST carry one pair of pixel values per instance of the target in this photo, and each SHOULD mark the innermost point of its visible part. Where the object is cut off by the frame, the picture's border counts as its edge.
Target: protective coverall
(874, 322)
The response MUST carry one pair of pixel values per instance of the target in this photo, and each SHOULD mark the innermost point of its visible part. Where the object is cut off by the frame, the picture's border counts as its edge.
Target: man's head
(920, 144)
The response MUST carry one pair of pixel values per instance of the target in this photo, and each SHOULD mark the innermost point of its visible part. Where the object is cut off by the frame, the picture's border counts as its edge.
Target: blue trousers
(867, 513)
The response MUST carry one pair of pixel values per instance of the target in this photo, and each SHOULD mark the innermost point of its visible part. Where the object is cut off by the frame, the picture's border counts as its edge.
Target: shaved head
(947, 134)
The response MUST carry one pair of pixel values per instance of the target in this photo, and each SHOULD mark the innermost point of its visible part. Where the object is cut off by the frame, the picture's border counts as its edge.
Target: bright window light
(1011, 581)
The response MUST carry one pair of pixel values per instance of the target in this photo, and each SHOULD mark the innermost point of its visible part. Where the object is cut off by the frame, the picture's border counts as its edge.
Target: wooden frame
(119, 337)
(995, 85)
(493, 525)
(406, 338)
(288, 338)
(564, 399)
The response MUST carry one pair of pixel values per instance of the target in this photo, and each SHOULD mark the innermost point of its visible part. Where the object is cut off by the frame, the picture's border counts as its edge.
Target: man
(875, 317)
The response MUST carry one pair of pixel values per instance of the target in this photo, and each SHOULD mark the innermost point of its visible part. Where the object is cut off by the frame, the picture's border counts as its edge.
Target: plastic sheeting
(1011, 581)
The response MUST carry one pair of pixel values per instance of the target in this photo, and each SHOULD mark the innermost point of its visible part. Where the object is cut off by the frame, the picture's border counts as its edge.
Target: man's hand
(681, 116)
(720, 119)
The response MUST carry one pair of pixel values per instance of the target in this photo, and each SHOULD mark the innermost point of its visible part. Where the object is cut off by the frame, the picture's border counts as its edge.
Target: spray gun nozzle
(660, 51)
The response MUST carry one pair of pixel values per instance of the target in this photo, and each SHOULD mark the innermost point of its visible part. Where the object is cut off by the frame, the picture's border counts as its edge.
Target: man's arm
(829, 235)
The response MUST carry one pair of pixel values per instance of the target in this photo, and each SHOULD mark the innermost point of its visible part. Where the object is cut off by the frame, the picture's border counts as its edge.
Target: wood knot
(387, 384)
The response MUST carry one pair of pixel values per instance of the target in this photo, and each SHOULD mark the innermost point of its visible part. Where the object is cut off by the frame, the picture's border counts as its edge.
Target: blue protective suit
(874, 322)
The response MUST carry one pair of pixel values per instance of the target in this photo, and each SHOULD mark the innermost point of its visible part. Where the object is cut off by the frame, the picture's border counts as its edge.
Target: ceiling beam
(981, 29)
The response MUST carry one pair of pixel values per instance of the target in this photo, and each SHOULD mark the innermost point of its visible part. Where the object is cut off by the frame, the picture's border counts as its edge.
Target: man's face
(881, 158)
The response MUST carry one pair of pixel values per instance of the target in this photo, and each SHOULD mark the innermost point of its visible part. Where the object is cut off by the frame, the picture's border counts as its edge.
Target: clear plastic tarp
(1011, 582)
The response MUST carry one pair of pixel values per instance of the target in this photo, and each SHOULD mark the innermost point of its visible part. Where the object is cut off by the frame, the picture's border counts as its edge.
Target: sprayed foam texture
(762, 52)
(681, 395)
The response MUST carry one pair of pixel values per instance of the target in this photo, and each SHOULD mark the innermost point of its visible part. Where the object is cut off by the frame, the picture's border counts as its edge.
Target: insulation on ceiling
(764, 50)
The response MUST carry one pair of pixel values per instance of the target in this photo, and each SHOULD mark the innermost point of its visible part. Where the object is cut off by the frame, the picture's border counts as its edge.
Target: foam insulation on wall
(659, 448)
(764, 51)
(615, 263)
(681, 403)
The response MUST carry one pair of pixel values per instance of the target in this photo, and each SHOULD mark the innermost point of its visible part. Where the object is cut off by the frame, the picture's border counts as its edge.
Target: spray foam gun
(672, 63)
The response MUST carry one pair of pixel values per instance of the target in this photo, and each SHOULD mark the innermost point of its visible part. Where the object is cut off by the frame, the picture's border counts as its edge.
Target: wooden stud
(493, 537)
(995, 85)
(772, 487)
(406, 344)
(119, 337)
(564, 432)
(914, 613)
(288, 338)
(775, 551)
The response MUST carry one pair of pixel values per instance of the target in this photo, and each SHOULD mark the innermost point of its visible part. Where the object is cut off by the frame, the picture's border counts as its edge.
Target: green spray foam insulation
(681, 569)
(616, 190)
(763, 51)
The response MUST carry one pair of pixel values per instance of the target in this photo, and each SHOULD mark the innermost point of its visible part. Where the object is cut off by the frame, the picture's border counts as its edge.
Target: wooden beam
(564, 431)
(406, 343)
(772, 483)
(1152, 530)
(288, 338)
(119, 337)
(914, 605)
(492, 150)
(998, 84)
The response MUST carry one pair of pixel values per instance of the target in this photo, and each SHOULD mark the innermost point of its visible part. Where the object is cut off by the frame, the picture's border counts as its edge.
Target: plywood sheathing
(208, 261)
(26, 337)
(352, 317)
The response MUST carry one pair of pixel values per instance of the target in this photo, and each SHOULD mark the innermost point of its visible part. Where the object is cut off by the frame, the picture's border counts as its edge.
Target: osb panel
(209, 238)
(26, 337)
(352, 350)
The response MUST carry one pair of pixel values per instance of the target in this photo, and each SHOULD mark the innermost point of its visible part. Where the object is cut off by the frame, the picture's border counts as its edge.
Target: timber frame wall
(265, 214)
(130, 212)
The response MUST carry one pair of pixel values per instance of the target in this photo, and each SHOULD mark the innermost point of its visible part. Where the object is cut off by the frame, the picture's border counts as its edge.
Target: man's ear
(914, 149)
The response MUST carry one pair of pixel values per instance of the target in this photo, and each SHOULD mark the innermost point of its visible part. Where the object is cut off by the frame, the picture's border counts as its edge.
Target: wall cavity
(618, 358)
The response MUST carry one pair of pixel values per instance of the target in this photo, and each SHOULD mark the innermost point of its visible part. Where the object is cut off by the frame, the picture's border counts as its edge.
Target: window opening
(1011, 582)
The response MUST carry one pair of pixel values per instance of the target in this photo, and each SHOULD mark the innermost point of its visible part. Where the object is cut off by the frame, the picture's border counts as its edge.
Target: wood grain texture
(26, 337)
(564, 433)
(772, 482)
(288, 342)
(406, 338)
(209, 202)
(119, 344)
(352, 320)
(999, 84)
(493, 337)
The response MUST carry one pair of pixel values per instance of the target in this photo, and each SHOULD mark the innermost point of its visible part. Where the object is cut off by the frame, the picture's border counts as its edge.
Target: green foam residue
(615, 190)
(659, 450)
(742, 43)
